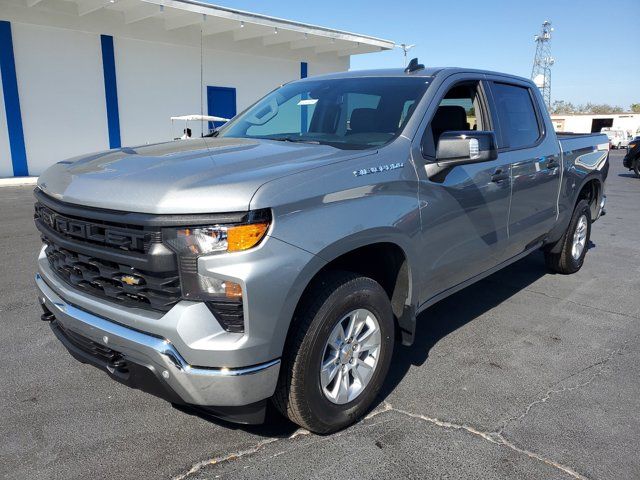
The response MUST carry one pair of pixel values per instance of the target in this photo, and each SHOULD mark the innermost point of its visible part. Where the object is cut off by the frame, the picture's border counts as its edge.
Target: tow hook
(46, 316)
(117, 363)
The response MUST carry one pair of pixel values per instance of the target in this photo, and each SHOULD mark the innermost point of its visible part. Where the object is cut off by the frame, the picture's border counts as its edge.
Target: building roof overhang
(215, 21)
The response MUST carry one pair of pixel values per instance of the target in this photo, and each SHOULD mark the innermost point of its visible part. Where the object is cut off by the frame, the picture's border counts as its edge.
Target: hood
(204, 175)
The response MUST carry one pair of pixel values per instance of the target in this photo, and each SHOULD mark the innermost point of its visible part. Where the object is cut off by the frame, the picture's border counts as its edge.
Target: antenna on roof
(413, 66)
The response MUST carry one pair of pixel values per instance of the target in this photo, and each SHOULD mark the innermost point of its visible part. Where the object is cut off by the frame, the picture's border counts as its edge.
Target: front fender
(382, 235)
(331, 225)
(330, 211)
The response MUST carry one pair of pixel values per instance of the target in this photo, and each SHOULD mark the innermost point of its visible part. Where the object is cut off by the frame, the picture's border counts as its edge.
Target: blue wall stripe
(304, 69)
(110, 90)
(12, 102)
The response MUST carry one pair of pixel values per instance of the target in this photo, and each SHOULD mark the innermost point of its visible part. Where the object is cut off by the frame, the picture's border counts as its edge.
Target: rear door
(529, 145)
(464, 212)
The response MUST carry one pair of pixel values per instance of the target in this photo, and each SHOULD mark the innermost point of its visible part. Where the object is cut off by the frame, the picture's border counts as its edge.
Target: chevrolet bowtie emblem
(130, 280)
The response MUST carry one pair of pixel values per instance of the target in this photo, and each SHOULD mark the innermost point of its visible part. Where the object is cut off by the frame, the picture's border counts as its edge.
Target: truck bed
(585, 150)
(578, 141)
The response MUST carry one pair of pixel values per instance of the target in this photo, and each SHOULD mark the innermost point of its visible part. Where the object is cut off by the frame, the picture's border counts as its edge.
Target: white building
(588, 123)
(87, 75)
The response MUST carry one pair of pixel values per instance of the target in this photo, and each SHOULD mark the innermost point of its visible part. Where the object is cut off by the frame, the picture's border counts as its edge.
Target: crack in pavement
(556, 391)
(584, 305)
(496, 436)
(326, 438)
(256, 448)
(493, 437)
(236, 455)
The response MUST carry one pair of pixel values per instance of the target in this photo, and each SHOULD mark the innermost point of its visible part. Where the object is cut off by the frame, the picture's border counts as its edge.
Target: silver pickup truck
(281, 258)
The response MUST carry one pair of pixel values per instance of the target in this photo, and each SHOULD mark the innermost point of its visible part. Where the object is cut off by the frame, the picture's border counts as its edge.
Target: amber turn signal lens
(232, 290)
(243, 237)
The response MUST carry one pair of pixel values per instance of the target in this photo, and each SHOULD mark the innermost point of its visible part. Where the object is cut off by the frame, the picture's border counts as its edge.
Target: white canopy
(197, 118)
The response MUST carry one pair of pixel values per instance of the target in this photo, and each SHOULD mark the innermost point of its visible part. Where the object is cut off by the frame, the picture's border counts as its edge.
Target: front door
(464, 213)
(221, 102)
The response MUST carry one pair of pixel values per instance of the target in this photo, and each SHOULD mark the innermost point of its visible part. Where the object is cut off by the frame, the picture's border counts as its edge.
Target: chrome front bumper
(192, 384)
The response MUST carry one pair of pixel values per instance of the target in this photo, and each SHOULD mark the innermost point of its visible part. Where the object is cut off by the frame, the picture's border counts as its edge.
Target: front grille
(125, 264)
(120, 283)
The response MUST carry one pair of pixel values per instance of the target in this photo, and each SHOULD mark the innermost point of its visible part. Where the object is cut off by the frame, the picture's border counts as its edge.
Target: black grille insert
(116, 282)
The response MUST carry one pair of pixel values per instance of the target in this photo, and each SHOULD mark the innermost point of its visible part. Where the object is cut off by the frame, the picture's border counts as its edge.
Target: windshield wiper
(293, 140)
(339, 145)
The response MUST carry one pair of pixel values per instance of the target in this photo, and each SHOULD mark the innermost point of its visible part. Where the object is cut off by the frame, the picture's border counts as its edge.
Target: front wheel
(636, 168)
(574, 243)
(338, 353)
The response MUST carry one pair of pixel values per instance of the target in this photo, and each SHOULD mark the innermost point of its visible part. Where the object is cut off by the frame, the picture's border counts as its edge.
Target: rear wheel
(339, 353)
(573, 244)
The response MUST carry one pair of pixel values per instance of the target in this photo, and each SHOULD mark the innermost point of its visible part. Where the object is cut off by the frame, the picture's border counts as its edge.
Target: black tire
(299, 394)
(636, 168)
(563, 261)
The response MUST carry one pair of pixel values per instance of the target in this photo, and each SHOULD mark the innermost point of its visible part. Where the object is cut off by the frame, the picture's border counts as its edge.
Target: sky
(595, 43)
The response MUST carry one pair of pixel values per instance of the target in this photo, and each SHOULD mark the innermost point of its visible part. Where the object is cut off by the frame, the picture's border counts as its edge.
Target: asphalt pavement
(523, 375)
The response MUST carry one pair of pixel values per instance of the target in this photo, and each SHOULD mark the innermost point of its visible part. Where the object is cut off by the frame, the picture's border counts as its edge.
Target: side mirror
(461, 148)
(464, 147)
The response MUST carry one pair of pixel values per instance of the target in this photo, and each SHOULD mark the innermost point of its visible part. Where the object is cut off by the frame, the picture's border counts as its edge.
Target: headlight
(207, 240)
(223, 297)
(632, 145)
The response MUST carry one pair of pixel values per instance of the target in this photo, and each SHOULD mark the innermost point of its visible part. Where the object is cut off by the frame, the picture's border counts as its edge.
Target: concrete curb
(17, 181)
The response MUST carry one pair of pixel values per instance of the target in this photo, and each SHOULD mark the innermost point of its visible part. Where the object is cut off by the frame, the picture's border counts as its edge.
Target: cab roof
(428, 72)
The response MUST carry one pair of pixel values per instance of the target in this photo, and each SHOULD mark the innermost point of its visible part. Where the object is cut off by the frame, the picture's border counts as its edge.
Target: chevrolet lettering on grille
(94, 232)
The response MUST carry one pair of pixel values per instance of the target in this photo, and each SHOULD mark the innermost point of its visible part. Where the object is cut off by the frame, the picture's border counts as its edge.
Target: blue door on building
(221, 102)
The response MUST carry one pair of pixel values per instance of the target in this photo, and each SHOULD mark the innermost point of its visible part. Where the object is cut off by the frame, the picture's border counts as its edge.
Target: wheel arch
(591, 190)
(382, 255)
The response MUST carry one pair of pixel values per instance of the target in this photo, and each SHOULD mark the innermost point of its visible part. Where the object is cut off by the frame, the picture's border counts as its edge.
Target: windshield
(348, 113)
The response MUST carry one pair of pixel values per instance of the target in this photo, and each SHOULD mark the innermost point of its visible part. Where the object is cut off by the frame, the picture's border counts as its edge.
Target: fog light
(224, 300)
(217, 287)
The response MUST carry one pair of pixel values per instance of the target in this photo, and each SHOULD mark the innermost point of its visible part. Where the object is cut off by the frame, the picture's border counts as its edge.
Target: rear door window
(517, 116)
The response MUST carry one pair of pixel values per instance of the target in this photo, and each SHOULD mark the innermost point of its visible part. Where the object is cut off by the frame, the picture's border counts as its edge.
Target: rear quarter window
(517, 116)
